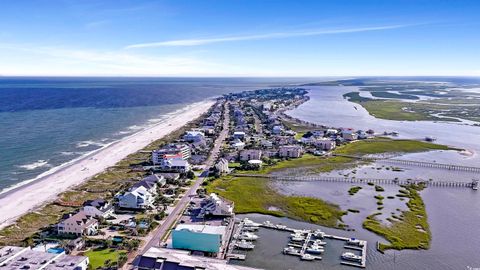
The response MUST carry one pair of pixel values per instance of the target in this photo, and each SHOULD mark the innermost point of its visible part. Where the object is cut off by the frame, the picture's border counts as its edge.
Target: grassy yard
(99, 257)
(410, 230)
(245, 191)
(385, 145)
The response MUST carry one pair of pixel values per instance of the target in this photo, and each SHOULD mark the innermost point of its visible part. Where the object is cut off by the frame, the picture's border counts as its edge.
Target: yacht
(349, 256)
(248, 236)
(297, 237)
(290, 251)
(249, 223)
(281, 227)
(319, 234)
(307, 257)
(250, 229)
(355, 242)
(319, 243)
(315, 250)
(244, 245)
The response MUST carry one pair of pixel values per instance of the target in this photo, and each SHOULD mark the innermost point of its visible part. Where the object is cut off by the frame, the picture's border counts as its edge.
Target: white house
(78, 224)
(325, 144)
(175, 164)
(222, 166)
(238, 145)
(247, 155)
(142, 194)
(138, 198)
(215, 206)
(194, 136)
(98, 208)
(349, 135)
(290, 151)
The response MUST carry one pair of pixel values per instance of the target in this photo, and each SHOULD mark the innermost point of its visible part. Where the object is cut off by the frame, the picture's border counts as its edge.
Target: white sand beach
(23, 199)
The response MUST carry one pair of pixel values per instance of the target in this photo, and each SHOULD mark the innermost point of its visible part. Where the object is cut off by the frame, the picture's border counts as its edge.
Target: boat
(244, 245)
(248, 236)
(349, 256)
(307, 257)
(319, 234)
(291, 251)
(249, 223)
(268, 224)
(430, 139)
(250, 229)
(281, 227)
(315, 249)
(355, 242)
(319, 243)
(297, 237)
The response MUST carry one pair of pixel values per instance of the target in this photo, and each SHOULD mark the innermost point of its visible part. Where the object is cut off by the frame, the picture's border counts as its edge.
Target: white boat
(355, 242)
(319, 234)
(290, 251)
(349, 256)
(244, 245)
(307, 257)
(297, 237)
(247, 236)
(281, 227)
(248, 223)
(319, 243)
(315, 250)
(268, 224)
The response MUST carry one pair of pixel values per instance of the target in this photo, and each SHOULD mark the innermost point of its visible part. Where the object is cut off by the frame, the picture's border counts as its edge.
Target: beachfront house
(194, 136)
(290, 151)
(175, 164)
(250, 154)
(78, 224)
(98, 208)
(173, 149)
(142, 194)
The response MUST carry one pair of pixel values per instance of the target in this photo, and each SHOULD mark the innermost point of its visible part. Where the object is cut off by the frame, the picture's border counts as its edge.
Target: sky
(239, 38)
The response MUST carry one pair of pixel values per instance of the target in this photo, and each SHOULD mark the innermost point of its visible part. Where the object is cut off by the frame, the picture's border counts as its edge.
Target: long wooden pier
(450, 167)
(474, 184)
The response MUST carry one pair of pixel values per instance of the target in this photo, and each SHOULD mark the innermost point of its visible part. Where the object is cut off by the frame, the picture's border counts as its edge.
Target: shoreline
(28, 195)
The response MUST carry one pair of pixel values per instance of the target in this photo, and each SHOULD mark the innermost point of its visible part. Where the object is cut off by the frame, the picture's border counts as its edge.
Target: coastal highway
(157, 235)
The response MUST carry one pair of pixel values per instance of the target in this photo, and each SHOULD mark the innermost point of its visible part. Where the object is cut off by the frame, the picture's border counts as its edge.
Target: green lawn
(410, 231)
(385, 145)
(253, 195)
(99, 257)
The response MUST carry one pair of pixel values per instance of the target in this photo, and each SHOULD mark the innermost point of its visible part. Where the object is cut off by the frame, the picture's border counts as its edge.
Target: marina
(306, 244)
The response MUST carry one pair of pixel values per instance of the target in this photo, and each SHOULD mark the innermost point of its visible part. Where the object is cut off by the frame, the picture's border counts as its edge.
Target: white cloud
(205, 41)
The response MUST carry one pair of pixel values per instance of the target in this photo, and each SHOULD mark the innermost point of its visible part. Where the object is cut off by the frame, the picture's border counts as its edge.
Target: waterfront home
(13, 258)
(150, 183)
(78, 224)
(324, 144)
(349, 134)
(214, 206)
(222, 166)
(250, 154)
(156, 258)
(172, 149)
(194, 136)
(290, 151)
(196, 237)
(239, 135)
(98, 208)
(138, 198)
(175, 164)
(169, 176)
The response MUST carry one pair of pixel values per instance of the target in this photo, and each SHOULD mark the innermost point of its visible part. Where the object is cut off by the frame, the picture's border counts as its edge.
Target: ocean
(47, 122)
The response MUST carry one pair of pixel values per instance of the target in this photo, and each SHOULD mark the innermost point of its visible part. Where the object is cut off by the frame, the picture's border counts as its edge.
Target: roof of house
(97, 203)
(200, 228)
(148, 182)
(25, 258)
(80, 218)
